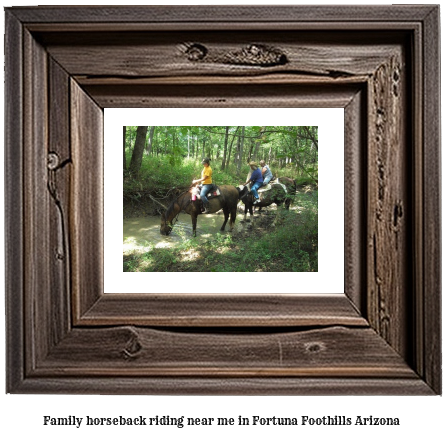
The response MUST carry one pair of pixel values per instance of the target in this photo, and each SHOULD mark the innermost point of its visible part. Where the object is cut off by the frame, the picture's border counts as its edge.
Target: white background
(23, 414)
(331, 198)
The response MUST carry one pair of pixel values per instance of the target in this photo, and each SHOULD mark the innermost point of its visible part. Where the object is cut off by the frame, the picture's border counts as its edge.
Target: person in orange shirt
(206, 181)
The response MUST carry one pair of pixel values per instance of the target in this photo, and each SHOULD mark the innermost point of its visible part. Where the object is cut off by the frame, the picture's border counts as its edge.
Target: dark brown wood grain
(354, 16)
(166, 55)
(64, 65)
(58, 175)
(234, 94)
(235, 310)
(86, 203)
(129, 351)
(14, 243)
(37, 200)
(429, 319)
(387, 258)
(355, 190)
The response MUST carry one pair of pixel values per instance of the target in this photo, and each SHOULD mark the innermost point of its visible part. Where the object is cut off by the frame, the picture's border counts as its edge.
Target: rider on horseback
(256, 179)
(266, 172)
(206, 181)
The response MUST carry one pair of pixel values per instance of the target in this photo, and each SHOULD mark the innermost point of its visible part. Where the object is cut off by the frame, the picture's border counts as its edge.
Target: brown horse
(227, 201)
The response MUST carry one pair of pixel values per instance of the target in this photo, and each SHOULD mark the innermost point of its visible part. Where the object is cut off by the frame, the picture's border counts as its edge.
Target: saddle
(195, 191)
(261, 189)
(268, 186)
(265, 188)
(214, 192)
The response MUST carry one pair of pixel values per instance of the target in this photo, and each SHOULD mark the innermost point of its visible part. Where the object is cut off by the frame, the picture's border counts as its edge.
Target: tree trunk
(230, 147)
(225, 150)
(151, 136)
(203, 148)
(124, 147)
(208, 149)
(188, 144)
(130, 140)
(251, 150)
(137, 154)
(257, 151)
(309, 133)
(240, 152)
(237, 152)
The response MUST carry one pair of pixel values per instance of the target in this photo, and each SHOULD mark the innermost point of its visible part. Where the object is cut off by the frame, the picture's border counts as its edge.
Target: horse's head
(165, 226)
(242, 193)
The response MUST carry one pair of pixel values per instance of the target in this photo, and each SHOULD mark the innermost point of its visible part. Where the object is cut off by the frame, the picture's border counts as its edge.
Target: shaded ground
(275, 240)
(244, 230)
(140, 203)
(205, 257)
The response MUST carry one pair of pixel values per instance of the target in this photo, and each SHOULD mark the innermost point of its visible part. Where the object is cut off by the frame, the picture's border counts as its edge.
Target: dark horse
(227, 201)
(282, 190)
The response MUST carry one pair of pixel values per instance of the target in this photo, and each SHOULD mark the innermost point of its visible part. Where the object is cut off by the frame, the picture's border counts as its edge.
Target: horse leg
(233, 216)
(226, 213)
(194, 225)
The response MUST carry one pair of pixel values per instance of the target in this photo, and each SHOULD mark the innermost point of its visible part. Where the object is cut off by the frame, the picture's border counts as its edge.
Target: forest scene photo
(170, 224)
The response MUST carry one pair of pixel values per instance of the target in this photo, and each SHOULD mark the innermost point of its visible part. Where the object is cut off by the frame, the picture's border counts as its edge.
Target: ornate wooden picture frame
(65, 64)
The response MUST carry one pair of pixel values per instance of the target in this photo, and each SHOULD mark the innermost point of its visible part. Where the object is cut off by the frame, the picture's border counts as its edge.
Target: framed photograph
(279, 241)
(378, 331)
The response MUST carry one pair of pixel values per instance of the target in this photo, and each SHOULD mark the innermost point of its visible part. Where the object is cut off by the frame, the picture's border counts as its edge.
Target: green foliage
(292, 246)
(175, 160)
(289, 150)
(162, 172)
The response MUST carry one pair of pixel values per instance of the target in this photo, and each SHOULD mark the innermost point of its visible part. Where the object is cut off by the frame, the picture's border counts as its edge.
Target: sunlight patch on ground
(163, 245)
(205, 236)
(145, 265)
(299, 209)
(223, 250)
(190, 256)
(131, 244)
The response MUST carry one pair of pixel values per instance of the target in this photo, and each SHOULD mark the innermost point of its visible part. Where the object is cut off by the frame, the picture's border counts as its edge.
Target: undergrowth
(286, 241)
(160, 174)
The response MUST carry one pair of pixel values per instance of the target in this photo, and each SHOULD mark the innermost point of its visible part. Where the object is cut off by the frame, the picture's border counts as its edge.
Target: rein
(172, 222)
